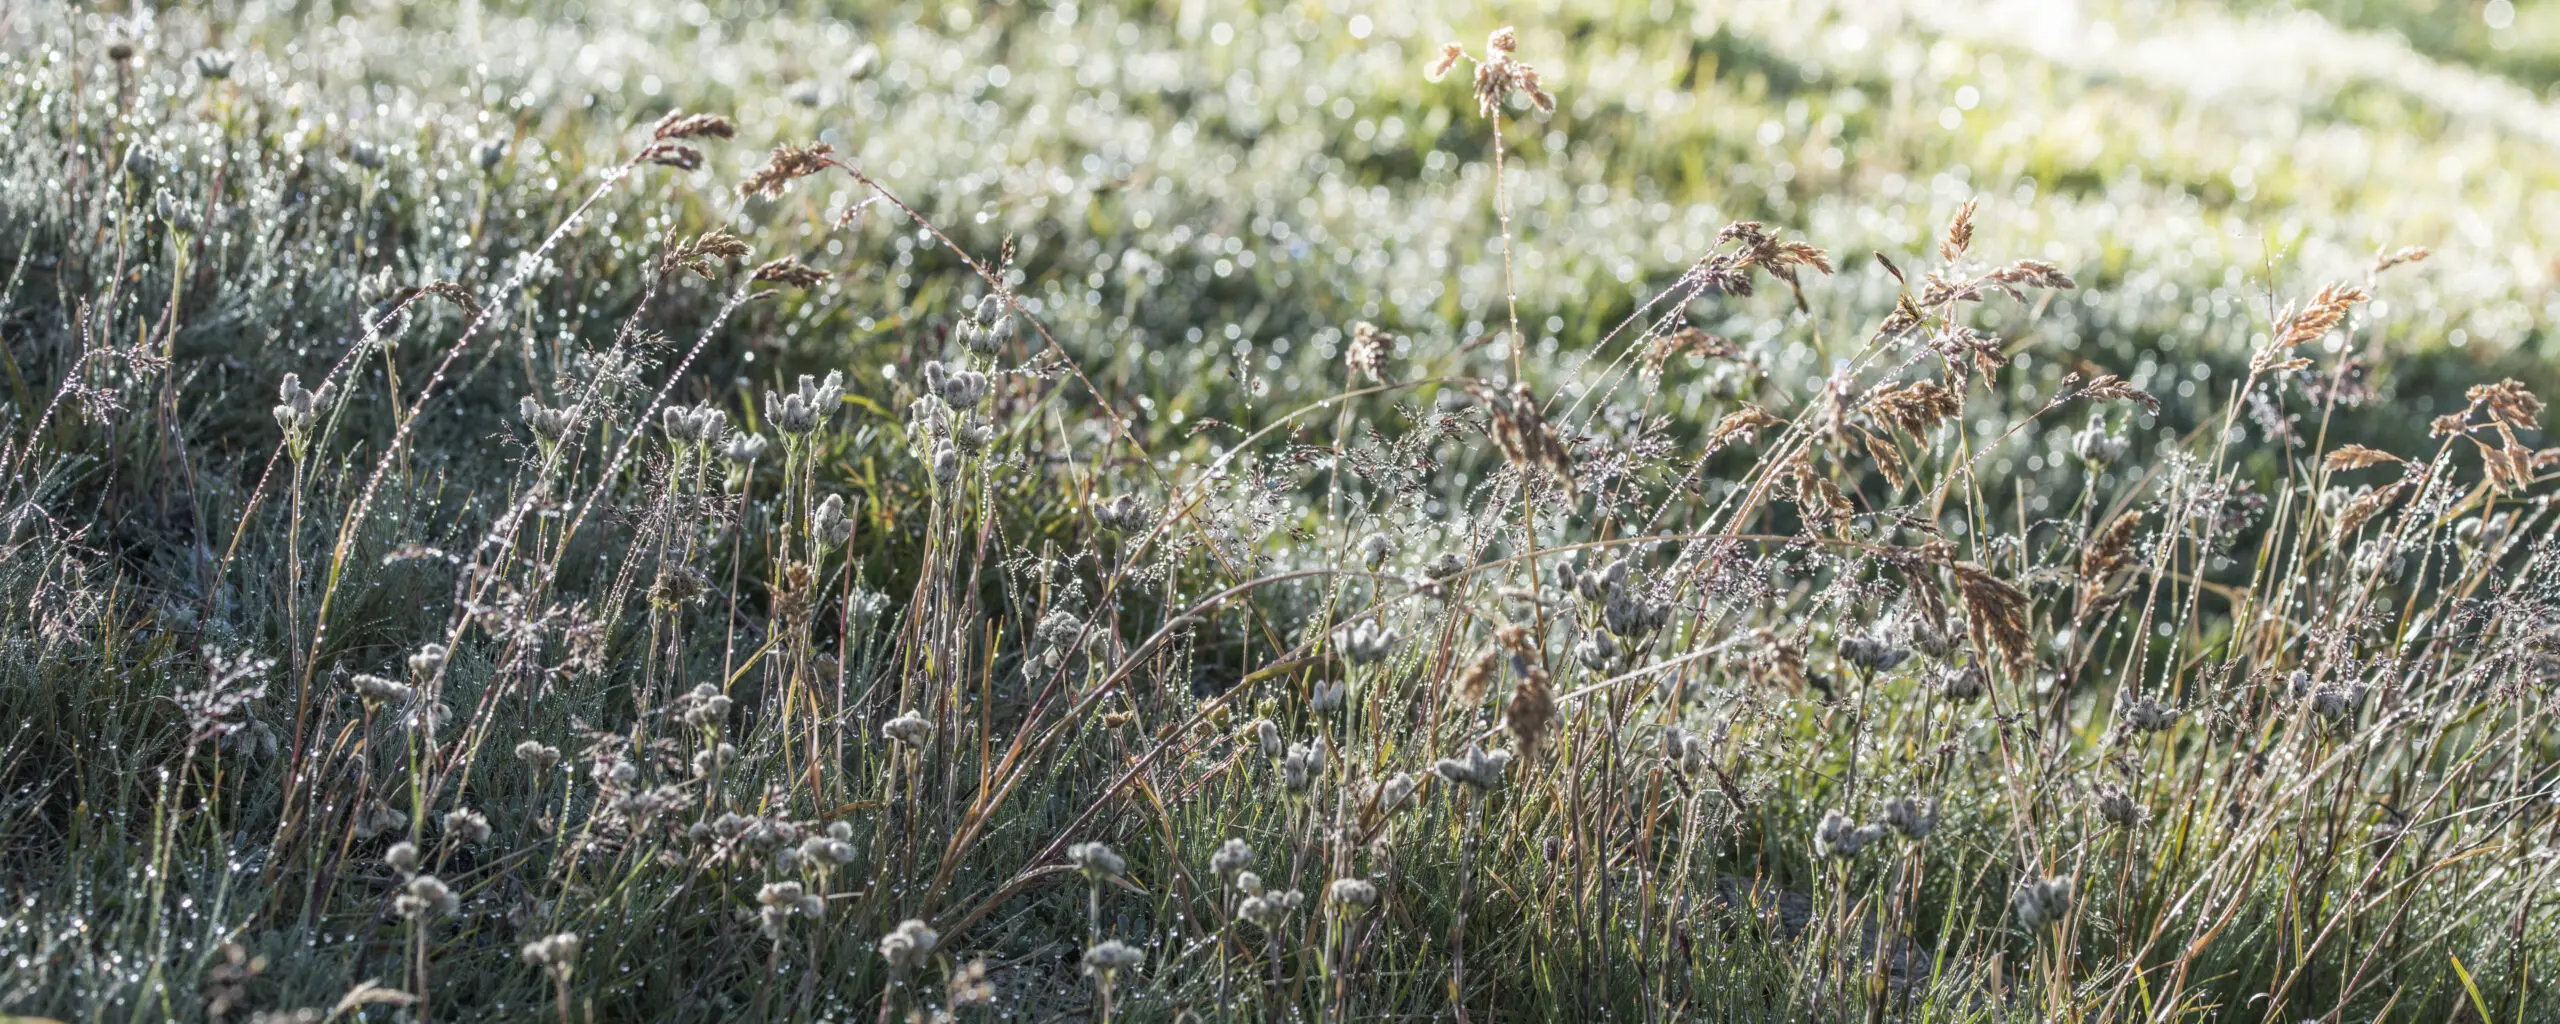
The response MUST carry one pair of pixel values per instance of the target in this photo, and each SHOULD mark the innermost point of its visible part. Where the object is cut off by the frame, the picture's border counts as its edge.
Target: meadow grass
(1133, 512)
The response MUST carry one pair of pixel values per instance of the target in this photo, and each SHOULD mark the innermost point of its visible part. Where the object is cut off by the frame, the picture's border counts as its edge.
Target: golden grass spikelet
(790, 163)
(702, 256)
(1531, 710)
(1440, 65)
(2356, 456)
(2298, 327)
(673, 154)
(1477, 678)
(680, 125)
(791, 272)
(2509, 466)
(1367, 354)
(2387, 259)
(2112, 388)
(1959, 233)
(1500, 74)
(1995, 610)
(1525, 437)
(1684, 340)
(1914, 408)
(1818, 500)
(2029, 274)
(2508, 403)
(1743, 424)
(1888, 459)
(2368, 505)
(2109, 550)
(795, 596)
(447, 290)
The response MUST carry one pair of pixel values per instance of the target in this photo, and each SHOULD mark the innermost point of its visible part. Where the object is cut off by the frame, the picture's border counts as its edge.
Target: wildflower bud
(744, 448)
(909, 729)
(1479, 769)
(538, 754)
(379, 690)
(2097, 447)
(489, 154)
(781, 894)
(1912, 816)
(1872, 653)
(1963, 682)
(1368, 642)
(546, 423)
(1112, 957)
(1268, 910)
(2042, 903)
(466, 826)
(1596, 651)
(428, 659)
(214, 65)
(1123, 514)
(907, 946)
(2144, 714)
(1328, 697)
(1375, 549)
(1837, 837)
(556, 954)
(1248, 882)
(1394, 791)
(403, 857)
(1304, 762)
(963, 388)
(1232, 857)
(829, 523)
(946, 465)
(1267, 733)
(1351, 895)
(428, 893)
(2119, 809)
(1439, 66)
(1504, 40)
(1097, 861)
(366, 155)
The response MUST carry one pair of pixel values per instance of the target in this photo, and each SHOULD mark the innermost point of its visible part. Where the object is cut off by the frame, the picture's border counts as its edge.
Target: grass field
(612, 510)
